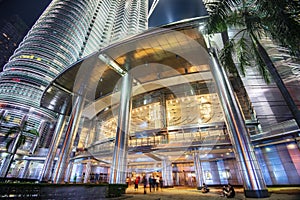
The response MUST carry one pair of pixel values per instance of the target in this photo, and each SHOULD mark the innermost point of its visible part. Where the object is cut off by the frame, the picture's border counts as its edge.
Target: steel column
(198, 170)
(88, 169)
(119, 163)
(70, 135)
(254, 184)
(167, 173)
(25, 169)
(48, 164)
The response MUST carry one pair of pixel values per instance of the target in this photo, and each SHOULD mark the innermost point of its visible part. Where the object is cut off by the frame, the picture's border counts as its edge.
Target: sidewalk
(185, 193)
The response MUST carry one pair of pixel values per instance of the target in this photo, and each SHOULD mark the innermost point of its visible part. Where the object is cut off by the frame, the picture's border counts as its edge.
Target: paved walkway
(184, 193)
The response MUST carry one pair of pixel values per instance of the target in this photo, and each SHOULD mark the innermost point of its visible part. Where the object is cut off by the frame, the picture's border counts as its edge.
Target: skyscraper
(12, 32)
(64, 33)
(186, 118)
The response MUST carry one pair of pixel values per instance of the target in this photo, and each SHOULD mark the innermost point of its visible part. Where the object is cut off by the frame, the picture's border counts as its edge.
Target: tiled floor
(183, 193)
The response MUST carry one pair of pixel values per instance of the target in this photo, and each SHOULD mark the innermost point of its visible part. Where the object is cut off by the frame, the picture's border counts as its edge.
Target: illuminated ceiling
(160, 56)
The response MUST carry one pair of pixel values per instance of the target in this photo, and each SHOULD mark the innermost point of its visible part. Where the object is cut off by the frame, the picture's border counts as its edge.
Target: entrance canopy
(157, 58)
(170, 59)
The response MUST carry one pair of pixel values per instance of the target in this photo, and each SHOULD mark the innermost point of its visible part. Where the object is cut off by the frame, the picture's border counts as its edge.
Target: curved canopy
(166, 55)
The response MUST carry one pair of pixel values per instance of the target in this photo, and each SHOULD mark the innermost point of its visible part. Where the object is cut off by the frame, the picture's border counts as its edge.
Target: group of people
(154, 182)
(204, 188)
(227, 191)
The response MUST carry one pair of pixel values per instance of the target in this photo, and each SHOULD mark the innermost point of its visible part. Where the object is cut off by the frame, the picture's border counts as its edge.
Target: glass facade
(64, 33)
(176, 115)
(183, 119)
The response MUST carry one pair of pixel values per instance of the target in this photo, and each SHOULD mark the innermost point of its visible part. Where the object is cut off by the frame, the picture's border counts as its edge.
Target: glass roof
(156, 58)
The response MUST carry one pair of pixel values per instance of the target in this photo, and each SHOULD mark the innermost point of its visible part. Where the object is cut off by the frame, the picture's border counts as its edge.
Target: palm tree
(282, 20)
(253, 19)
(20, 134)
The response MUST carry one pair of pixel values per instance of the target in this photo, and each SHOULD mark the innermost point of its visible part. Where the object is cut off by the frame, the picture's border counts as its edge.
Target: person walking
(127, 181)
(75, 178)
(150, 182)
(157, 182)
(161, 182)
(144, 181)
(136, 184)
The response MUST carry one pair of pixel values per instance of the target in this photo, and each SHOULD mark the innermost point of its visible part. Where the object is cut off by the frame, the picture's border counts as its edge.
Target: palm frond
(13, 130)
(34, 132)
(221, 7)
(21, 141)
(260, 62)
(243, 54)
(226, 57)
(216, 25)
(3, 119)
(281, 21)
(18, 129)
(235, 19)
(219, 11)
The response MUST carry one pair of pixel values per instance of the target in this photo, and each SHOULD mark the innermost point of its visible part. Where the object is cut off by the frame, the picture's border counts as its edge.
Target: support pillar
(164, 110)
(167, 173)
(79, 171)
(69, 172)
(254, 184)
(164, 116)
(25, 169)
(198, 170)
(119, 163)
(36, 140)
(88, 169)
(49, 162)
(5, 168)
(70, 135)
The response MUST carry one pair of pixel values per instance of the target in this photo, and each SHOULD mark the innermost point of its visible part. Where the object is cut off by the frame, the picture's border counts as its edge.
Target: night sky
(28, 10)
(166, 11)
